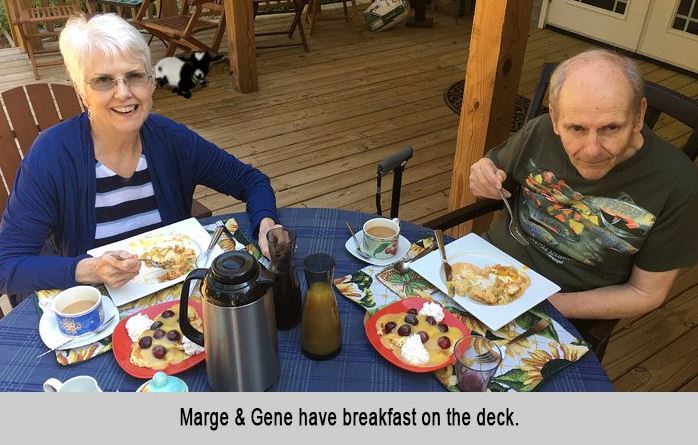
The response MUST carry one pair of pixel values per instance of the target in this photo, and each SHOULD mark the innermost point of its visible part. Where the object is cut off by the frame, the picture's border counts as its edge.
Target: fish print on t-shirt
(568, 224)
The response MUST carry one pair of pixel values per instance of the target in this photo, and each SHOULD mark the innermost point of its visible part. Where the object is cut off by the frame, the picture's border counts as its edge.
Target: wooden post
(242, 52)
(10, 12)
(495, 60)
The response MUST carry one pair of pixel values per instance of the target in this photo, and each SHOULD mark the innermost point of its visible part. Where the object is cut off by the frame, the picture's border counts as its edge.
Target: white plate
(473, 249)
(403, 246)
(52, 337)
(146, 282)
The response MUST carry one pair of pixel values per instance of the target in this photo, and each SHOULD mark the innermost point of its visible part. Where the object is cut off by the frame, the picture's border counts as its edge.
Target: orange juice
(321, 331)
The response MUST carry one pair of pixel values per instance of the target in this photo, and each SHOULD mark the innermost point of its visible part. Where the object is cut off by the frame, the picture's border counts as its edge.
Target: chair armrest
(464, 214)
(199, 210)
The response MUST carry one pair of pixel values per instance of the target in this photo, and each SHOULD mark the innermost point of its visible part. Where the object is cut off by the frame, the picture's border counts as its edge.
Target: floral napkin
(81, 354)
(526, 364)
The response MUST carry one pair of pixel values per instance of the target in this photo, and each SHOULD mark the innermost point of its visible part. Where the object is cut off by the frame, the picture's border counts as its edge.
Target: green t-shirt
(587, 234)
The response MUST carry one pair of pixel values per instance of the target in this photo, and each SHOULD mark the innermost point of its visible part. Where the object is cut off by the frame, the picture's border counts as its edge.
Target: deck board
(323, 119)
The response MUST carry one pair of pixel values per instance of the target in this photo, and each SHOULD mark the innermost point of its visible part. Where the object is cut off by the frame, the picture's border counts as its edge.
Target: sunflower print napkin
(526, 364)
(81, 354)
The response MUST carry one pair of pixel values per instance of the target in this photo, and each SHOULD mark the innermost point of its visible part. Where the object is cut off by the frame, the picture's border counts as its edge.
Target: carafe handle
(184, 324)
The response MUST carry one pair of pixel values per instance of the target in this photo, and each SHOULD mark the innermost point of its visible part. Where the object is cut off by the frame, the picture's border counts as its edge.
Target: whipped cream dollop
(432, 309)
(137, 325)
(413, 351)
(191, 348)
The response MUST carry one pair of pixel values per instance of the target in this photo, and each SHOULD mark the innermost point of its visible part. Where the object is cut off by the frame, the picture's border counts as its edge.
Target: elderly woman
(112, 172)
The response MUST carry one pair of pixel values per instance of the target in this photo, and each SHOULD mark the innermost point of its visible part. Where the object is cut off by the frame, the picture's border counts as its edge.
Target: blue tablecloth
(357, 368)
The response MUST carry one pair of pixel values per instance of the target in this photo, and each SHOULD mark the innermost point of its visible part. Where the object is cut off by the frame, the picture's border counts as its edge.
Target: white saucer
(52, 337)
(403, 246)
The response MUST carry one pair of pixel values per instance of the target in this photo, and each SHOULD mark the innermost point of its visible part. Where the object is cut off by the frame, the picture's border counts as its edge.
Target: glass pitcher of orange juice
(321, 336)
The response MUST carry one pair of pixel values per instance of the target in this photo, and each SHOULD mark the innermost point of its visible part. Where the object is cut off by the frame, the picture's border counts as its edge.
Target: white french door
(618, 22)
(665, 30)
(671, 33)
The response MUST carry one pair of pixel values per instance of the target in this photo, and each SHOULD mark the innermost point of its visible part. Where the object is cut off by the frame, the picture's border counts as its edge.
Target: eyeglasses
(136, 79)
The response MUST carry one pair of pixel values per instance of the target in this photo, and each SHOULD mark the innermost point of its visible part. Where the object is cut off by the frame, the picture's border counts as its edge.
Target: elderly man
(609, 208)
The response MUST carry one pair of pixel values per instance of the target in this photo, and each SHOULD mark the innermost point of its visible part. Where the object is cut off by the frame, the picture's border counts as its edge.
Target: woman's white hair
(627, 66)
(105, 34)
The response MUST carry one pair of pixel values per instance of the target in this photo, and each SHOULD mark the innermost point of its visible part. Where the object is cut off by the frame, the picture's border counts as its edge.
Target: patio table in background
(358, 367)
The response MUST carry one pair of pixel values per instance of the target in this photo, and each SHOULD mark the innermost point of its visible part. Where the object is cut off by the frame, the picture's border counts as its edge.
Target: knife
(448, 271)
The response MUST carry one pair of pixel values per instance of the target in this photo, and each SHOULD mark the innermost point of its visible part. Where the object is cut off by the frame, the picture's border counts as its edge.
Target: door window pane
(679, 24)
(693, 27)
(684, 7)
(617, 6)
(686, 18)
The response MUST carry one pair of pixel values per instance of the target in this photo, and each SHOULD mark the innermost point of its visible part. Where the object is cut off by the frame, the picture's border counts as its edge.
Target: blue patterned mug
(380, 237)
(78, 310)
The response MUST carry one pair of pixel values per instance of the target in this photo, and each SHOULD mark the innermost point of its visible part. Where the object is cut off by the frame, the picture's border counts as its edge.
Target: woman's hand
(114, 268)
(264, 227)
(486, 179)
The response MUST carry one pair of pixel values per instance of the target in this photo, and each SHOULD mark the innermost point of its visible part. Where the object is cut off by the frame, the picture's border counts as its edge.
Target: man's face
(595, 119)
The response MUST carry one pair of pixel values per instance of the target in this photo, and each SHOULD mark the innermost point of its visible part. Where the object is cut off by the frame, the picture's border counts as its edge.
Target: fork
(513, 227)
(220, 229)
(448, 270)
(490, 356)
(147, 261)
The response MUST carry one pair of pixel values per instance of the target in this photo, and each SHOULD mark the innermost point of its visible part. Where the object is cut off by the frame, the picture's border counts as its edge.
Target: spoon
(101, 328)
(361, 253)
(403, 266)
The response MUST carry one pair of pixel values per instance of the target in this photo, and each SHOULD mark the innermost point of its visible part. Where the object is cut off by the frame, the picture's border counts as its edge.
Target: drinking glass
(321, 337)
(287, 292)
(477, 361)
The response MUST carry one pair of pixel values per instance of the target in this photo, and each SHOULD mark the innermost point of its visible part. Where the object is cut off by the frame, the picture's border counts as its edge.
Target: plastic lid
(162, 382)
(236, 267)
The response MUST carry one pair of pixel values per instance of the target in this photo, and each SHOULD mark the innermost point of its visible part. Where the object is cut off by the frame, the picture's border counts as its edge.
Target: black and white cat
(185, 71)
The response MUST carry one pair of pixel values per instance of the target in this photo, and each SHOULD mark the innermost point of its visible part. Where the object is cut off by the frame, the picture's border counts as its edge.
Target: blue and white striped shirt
(125, 206)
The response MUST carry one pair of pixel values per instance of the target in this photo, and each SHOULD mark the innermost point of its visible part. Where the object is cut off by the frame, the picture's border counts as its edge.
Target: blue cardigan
(54, 196)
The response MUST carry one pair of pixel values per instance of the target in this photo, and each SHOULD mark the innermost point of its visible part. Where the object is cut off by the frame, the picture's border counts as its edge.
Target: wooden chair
(38, 24)
(314, 14)
(30, 110)
(297, 6)
(179, 31)
(660, 100)
(395, 163)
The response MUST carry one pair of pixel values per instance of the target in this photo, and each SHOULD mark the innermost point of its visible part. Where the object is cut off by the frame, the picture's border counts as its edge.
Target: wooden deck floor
(323, 119)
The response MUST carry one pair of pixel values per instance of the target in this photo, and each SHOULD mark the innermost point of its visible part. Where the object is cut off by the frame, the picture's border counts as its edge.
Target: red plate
(121, 344)
(402, 306)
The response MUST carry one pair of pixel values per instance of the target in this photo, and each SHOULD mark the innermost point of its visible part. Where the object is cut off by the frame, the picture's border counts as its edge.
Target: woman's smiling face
(120, 107)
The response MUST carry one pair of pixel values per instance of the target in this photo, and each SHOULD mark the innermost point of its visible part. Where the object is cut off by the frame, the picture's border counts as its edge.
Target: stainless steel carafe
(239, 324)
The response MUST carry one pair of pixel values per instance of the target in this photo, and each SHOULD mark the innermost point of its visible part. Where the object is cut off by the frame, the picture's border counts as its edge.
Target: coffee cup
(380, 237)
(81, 383)
(79, 310)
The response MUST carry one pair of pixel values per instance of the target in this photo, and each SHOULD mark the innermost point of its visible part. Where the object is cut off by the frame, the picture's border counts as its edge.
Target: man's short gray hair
(627, 66)
(105, 34)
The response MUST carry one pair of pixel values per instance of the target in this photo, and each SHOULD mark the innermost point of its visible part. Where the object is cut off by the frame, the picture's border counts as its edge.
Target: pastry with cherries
(162, 343)
(419, 337)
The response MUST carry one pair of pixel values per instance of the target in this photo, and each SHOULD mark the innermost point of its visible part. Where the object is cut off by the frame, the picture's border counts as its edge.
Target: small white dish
(403, 246)
(52, 336)
(473, 249)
